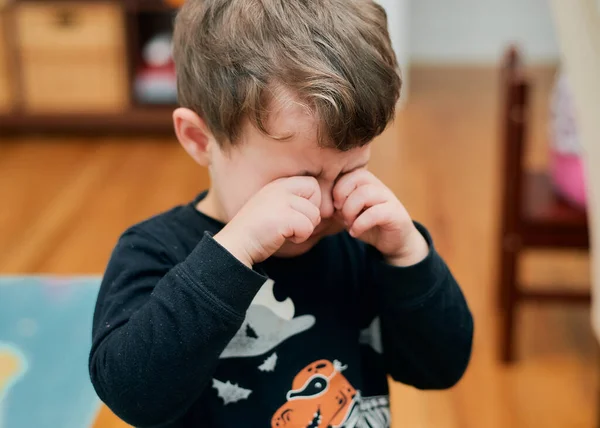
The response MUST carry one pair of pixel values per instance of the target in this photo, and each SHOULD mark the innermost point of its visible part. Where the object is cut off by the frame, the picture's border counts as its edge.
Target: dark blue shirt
(187, 336)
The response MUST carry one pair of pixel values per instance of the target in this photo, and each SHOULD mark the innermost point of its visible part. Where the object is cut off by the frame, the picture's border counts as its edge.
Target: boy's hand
(373, 214)
(286, 209)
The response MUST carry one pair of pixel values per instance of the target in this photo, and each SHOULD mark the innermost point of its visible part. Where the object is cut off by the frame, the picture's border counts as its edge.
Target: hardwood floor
(66, 200)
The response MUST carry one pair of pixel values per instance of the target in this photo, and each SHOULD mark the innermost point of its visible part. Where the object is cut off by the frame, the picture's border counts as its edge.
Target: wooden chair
(533, 216)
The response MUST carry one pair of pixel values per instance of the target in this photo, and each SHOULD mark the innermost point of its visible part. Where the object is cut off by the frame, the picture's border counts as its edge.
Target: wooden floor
(64, 201)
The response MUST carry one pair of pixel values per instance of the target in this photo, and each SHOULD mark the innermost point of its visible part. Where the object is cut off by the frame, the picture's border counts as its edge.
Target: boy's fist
(286, 209)
(373, 214)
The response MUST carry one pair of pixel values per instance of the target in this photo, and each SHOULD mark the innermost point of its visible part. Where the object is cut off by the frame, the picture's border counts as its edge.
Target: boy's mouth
(326, 227)
(320, 231)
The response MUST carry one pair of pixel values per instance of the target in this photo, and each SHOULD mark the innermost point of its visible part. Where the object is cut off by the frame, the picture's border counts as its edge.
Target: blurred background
(486, 150)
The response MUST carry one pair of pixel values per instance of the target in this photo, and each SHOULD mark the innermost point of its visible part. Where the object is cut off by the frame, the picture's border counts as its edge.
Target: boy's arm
(426, 324)
(159, 328)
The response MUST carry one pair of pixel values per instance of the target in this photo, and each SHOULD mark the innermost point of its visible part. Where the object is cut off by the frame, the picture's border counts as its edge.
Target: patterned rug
(45, 336)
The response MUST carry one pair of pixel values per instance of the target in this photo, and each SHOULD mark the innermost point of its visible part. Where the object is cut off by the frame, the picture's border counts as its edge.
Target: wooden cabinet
(72, 65)
(6, 91)
(72, 57)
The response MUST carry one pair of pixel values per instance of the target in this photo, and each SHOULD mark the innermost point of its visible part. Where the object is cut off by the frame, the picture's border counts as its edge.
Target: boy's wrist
(414, 251)
(234, 247)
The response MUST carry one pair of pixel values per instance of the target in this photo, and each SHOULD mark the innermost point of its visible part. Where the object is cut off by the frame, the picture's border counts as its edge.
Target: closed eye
(319, 174)
(310, 174)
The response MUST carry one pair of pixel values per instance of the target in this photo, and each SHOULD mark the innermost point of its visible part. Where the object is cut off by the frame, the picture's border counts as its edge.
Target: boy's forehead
(301, 151)
(289, 116)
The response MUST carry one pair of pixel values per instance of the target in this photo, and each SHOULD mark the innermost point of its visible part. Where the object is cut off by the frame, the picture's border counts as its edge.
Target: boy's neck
(210, 206)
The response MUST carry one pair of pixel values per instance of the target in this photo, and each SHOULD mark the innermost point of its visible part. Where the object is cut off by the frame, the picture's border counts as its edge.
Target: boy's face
(240, 172)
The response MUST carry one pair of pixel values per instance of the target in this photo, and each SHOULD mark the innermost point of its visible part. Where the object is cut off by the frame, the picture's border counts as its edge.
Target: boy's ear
(194, 135)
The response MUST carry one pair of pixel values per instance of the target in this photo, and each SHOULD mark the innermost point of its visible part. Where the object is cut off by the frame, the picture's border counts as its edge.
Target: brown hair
(334, 56)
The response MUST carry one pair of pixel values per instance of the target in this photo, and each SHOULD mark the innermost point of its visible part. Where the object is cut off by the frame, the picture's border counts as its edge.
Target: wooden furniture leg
(509, 301)
(508, 275)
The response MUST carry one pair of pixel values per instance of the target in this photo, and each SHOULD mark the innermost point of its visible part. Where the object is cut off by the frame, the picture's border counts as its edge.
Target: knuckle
(271, 228)
(350, 205)
(337, 193)
(287, 230)
(348, 208)
(364, 173)
(276, 184)
(286, 225)
(363, 191)
(309, 225)
(307, 181)
(340, 184)
(317, 214)
(288, 199)
(342, 193)
(314, 214)
(305, 232)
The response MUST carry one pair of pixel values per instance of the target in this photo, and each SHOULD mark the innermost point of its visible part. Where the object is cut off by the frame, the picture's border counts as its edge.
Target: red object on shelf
(156, 85)
(155, 81)
(175, 3)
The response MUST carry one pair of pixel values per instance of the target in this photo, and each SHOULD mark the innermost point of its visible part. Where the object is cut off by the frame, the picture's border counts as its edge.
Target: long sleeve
(160, 326)
(426, 324)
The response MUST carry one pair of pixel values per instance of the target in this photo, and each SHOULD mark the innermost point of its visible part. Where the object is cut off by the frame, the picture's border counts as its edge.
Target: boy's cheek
(235, 194)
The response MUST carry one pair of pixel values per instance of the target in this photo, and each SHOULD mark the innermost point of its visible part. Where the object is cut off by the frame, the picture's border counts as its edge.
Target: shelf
(130, 5)
(149, 6)
(144, 119)
(142, 20)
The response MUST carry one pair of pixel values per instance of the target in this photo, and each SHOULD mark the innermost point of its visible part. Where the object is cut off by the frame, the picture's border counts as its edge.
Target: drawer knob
(66, 18)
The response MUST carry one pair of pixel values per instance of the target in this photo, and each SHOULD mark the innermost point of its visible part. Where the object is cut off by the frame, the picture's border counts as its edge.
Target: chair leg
(598, 387)
(507, 275)
(509, 304)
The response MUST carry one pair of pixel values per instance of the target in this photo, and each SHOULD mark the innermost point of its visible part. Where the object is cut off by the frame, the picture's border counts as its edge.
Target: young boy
(287, 293)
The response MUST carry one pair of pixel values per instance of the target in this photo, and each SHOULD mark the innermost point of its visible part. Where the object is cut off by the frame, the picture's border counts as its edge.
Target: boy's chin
(289, 249)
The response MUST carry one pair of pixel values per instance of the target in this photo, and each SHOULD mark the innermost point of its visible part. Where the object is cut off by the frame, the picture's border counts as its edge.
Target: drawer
(6, 100)
(83, 84)
(58, 26)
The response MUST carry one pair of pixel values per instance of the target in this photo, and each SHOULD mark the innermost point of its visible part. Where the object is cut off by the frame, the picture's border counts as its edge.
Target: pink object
(566, 164)
(568, 177)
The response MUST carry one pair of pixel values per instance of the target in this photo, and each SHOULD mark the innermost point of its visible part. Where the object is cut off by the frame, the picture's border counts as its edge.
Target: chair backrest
(514, 89)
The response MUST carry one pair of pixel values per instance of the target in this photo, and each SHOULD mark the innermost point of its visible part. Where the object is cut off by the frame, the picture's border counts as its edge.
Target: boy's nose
(327, 208)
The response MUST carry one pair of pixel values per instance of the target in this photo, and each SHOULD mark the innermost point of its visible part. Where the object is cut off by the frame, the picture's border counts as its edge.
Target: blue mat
(45, 337)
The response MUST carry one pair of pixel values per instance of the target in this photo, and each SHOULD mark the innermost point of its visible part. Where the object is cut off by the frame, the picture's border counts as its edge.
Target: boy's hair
(234, 57)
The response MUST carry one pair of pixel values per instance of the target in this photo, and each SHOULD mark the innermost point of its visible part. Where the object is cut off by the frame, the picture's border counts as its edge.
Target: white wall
(398, 12)
(477, 31)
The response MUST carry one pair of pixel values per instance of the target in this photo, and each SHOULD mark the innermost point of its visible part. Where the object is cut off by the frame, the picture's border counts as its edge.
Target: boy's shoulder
(175, 232)
(161, 224)
(180, 227)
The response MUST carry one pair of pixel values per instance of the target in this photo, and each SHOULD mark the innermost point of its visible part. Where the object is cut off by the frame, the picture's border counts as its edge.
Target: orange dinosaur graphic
(321, 397)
